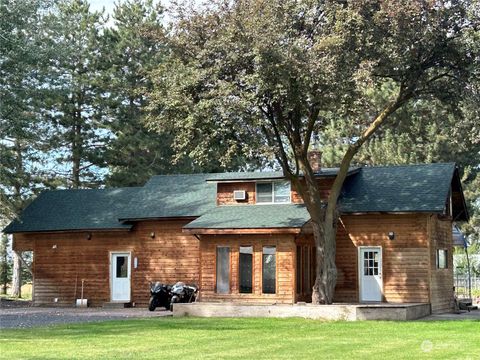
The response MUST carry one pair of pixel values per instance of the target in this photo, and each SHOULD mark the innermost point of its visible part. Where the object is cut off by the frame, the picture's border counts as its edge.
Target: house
(245, 237)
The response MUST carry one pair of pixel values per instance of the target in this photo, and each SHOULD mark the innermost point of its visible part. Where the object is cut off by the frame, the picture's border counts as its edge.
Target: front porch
(339, 311)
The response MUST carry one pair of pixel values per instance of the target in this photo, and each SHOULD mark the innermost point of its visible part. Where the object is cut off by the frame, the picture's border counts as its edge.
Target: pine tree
(130, 52)
(75, 103)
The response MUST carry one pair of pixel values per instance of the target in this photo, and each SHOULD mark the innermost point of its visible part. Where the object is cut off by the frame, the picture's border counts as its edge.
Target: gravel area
(35, 316)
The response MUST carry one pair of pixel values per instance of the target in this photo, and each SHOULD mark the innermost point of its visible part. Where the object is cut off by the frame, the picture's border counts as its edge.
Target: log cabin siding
(409, 261)
(441, 280)
(225, 192)
(168, 257)
(405, 259)
(285, 269)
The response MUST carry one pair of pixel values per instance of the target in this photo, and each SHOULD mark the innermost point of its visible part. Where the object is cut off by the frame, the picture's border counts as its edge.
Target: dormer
(258, 188)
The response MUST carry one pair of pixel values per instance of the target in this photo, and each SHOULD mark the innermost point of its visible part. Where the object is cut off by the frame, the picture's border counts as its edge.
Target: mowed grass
(210, 338)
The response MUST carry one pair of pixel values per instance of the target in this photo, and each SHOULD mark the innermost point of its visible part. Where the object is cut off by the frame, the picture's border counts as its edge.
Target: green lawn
(193, 338)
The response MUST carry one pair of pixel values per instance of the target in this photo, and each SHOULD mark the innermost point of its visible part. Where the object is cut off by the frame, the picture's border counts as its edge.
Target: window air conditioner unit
(239, 195)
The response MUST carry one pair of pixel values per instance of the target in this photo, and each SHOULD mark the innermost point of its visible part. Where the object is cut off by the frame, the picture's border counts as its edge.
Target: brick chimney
(315, 159)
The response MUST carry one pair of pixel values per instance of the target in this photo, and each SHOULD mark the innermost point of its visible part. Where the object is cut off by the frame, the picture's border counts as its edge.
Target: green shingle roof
(415, 188)
(82, 209)
(252, 217)
(172, 196)
(412, 188)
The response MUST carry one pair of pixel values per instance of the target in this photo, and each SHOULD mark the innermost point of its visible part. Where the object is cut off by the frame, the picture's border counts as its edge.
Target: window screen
(245, 269)
(269, 270)
(264, 193)
(223, 269)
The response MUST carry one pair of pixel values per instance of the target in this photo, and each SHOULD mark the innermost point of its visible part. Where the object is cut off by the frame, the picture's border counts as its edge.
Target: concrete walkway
(464, 315)
(35, 316)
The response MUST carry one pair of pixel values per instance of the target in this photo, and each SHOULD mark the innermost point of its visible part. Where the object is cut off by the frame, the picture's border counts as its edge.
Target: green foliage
(130, 51)
(275, 73)
(74, 105)
(22, 56)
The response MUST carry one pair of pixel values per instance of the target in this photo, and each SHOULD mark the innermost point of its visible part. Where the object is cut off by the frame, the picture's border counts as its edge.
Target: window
(370, 263)
(245, 269)
(122, 267)
(442, 262)
(264, 192)
(299, 270)
(269, 269)
(223, 270)
(273, 192)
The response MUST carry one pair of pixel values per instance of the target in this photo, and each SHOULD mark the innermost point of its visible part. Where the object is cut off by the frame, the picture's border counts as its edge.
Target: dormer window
(273, 192)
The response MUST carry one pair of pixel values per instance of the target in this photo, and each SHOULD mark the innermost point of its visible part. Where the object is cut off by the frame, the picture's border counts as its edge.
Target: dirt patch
(13, 303)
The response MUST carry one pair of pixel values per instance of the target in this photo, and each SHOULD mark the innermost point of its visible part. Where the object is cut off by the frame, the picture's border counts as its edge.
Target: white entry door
(120, 276)
(370, 271)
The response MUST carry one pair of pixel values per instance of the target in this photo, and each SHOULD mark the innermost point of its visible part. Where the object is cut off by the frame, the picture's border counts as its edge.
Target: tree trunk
(76, 155)
(16, 276)
(325, 218)
(323, 234)
(326, 269)
(4, 265)
(17, 266)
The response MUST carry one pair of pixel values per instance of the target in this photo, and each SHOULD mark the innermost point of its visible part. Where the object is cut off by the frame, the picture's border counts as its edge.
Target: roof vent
(239, 195)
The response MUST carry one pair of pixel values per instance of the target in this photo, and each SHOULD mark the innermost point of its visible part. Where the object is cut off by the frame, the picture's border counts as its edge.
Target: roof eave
(241, 231)
(255, 179)
(45, 231)
(158, 218)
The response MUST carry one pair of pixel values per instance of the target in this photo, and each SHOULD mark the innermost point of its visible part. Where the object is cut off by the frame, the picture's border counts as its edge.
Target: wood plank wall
(285, 258)
(168, 257)
(441, 280)
(225, 192)
(405, 259)
(409, 261)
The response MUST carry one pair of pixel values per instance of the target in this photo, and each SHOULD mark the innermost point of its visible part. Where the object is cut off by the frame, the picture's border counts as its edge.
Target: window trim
(272, 182)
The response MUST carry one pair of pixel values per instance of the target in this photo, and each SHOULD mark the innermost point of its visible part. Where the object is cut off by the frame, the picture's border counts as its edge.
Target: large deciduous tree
(275, 73)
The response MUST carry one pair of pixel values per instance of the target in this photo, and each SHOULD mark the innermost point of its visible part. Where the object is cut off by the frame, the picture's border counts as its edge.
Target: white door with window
(370, 271)
(120, 276)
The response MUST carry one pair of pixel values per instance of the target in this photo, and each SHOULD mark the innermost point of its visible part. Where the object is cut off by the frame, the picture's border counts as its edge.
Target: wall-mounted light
(152, 234)
(391, 235)
(89, 236)
(54, 246)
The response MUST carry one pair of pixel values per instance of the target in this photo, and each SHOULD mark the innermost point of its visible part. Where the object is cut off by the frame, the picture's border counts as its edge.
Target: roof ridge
(94, 189)
(406, 165)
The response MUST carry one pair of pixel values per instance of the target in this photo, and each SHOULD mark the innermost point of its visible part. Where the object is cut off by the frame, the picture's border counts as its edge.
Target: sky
(110, 4)
(99, 4)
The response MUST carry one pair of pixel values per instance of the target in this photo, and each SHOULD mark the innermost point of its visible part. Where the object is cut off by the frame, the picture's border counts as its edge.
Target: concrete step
(115, 305)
